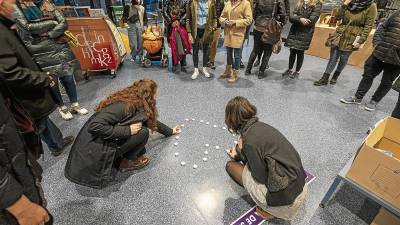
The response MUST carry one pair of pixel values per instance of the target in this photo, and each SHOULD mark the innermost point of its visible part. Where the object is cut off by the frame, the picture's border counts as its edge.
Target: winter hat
(358, 5)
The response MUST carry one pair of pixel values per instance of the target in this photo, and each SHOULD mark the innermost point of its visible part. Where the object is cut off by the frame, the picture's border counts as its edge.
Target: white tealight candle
(195, 166)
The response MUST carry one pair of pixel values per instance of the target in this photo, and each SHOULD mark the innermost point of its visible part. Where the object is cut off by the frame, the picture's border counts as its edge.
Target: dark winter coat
(93, 153)
(273, 161)
(51, 52)
(262, 13)
(361, 25)
(388, 48)
(27, 82)
(20, 174)
(300, 36)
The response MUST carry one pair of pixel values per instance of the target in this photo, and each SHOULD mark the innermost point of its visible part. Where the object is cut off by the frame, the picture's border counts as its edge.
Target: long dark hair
(238, 112)
(141, 93)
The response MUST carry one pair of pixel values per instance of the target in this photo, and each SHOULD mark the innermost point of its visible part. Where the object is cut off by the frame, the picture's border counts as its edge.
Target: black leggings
(260, 48)
(134, 146)
(292, 58)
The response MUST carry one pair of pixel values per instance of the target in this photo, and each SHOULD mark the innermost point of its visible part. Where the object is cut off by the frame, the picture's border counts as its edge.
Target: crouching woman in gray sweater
(264, 163)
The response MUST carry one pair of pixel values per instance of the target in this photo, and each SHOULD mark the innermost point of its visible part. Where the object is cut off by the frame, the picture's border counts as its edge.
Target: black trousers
(373, 67)
(196, 47)
(396, 111)
(260, 48)
(134, 146)
(299, 54)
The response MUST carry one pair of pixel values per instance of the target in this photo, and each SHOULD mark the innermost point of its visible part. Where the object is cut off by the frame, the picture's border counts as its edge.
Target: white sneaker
(65, 114)
(205, 72)
(195, 73)
(75, 108)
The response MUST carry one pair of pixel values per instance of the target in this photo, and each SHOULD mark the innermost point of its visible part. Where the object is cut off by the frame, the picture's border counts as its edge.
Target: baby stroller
(154, 49)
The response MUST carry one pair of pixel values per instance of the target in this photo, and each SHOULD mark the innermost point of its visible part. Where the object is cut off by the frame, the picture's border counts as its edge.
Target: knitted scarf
(30, 10)
(359, 5)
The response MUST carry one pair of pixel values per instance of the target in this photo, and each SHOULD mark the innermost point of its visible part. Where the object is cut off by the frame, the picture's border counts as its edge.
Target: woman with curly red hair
(116, 135)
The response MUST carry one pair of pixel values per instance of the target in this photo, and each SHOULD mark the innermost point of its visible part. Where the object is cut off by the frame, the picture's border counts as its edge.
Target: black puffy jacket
(27, 82)
(20, 174)
(300, 36)
(388, 48)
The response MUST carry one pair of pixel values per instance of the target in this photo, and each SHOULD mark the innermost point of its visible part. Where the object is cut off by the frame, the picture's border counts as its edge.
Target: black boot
(250, 63)
(323, 81)
(334, 78)
(261, 74)
(248, 70)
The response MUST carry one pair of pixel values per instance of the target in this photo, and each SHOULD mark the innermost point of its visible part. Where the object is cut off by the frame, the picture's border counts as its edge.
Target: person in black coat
(116, 134)
(265, 163)
(303, 20)
(29, 85)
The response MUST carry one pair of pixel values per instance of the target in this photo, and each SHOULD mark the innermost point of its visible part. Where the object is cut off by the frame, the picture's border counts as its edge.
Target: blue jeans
(135, 35)
(233, 53)
(70, 87)
(50, 134)
(336, 54)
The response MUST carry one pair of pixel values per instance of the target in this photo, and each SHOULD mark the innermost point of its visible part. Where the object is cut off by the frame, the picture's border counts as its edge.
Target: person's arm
(188, 17)
(182, 20)
(223, 17)
(370, 22)
(60, 28)
(315, 14)
(37, 28)
(256, 163)
(219, 9)
(342, 11)
(281, 13)
(287, 10)
(382, 27)
(164, 129)
(14, 74)
(105, 123)
(125, 14)
(248, 17)
(295, 17)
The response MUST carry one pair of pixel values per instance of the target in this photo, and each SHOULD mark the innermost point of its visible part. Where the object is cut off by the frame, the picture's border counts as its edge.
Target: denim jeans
(70, 87)
(135, 35)
(337, 55)
(373, 67)
(50, 134)
(233, 57)
(396, 111)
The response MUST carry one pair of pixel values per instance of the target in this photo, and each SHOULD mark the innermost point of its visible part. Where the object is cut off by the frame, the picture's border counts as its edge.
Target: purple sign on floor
(249, 218)
(252, 218)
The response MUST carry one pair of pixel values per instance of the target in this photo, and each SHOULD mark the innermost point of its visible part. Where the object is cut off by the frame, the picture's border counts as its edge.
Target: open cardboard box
(373, 169)
(385, 217)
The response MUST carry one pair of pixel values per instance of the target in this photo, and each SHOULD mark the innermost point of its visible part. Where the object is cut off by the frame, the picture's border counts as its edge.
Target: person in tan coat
(235, 17)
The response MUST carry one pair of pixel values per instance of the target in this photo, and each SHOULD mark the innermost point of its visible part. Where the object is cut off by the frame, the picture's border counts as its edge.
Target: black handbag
(273, 29)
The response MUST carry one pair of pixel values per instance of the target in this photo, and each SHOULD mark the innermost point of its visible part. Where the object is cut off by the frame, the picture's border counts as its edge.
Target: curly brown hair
(141, 93)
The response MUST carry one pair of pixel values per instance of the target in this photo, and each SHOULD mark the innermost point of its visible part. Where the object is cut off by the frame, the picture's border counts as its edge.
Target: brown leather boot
(234, 76)
(129, 165)
(266, 216)
(227, 73)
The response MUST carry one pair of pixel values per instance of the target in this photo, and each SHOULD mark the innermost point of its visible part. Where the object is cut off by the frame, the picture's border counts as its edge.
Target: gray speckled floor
(325, 132)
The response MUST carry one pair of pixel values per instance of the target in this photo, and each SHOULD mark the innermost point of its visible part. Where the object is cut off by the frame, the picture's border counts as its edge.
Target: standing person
(178, 7)
(263, 11)
(235, 17)
(21, 195)
(265, 163)
(43, 35)
(386, 58)
(219, 7)
(303, 20)
(358, 18)
(29, 85)
(116, 133)
(136, 18)
(201, 21)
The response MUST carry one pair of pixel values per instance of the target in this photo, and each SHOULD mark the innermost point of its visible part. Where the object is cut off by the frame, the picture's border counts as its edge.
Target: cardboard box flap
(385, 217)
(392, 129)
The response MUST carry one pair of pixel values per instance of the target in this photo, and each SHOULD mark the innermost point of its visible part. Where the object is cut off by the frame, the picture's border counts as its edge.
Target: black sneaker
(67, 141)
(287, 73)
(351, 100)
(261, 75)
(183, 69)
(242, 65)
(211, 65)
(294, 75)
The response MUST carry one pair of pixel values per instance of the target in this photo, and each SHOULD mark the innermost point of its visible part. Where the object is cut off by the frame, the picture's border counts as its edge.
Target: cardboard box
(385, 217)
(377, 163)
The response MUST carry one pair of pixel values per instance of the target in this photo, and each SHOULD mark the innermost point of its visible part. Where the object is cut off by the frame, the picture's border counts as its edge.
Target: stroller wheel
(164, 62)
(147, 63)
